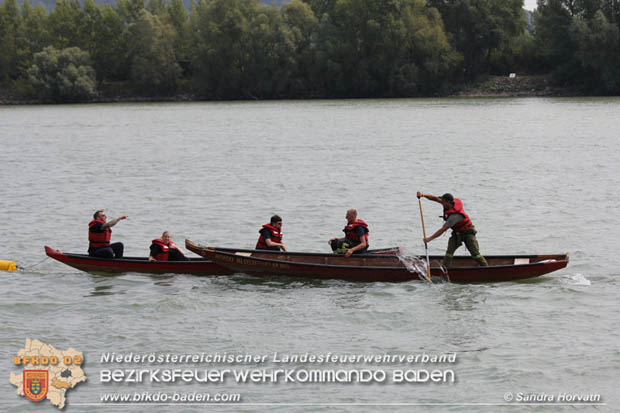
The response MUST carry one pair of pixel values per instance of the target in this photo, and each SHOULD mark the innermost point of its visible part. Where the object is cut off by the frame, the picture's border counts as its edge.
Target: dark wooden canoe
(386, 268)
(196, 266)
(207, 252)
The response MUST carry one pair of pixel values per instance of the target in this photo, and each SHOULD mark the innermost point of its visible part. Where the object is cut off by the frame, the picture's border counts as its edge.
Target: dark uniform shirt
(453, 220)
(360, 231)
(173, 253)
(97, 227)
(156, 249)
(266, 233)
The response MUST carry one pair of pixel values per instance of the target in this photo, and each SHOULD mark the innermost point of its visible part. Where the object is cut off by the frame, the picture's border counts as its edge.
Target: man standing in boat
(99, 234)
(355, 239)
(463, 230)
(271, 235)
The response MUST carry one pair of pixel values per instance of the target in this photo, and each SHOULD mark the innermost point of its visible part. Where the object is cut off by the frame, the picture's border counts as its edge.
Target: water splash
(580, 279)
(414, 264)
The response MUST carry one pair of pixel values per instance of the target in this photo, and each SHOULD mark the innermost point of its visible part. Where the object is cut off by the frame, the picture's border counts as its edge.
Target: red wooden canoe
(196, 266)
(387, 268)
(207, 252)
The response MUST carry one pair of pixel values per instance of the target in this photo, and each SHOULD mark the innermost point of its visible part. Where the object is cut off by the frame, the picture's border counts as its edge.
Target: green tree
(427, 47)
(579, 40)
(154, 68)
(179, 19)
(383, 48)
(63, 75)
(270, 59)
(103, 39)
(597, 51)
(157, 7)
(478, 27)
(611, 9)
(222, 58)
(303, 26)
(10, 21)
(32, 35)
(553, 22)
(66, 25)
(321, 7)
(520, 55)
(129, 10)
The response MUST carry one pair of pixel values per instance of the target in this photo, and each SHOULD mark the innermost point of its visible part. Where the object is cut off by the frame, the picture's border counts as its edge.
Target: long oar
(428, 263)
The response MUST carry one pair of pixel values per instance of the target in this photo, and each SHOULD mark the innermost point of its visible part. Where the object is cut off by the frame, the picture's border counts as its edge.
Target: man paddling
(271, 235)
(355, 239)
(99, 234)
(463, 230)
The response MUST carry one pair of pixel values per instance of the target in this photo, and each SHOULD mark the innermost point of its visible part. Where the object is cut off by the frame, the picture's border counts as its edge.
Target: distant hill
(50, 4)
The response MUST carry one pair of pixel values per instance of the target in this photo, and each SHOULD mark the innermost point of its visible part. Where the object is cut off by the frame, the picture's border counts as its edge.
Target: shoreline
(526, 86)
(518, 86)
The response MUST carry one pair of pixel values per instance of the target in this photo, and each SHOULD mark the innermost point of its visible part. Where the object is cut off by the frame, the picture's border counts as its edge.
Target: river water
(535, 175)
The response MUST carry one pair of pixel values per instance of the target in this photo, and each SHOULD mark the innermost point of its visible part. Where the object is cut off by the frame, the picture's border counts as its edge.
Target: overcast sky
(529, 4)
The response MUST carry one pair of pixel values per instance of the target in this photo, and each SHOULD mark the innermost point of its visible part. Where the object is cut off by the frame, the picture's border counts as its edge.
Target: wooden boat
(83, 262)
(207, 252)
(386, 268)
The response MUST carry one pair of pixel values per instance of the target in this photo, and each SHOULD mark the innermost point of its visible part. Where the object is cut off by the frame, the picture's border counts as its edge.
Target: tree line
(240, 49)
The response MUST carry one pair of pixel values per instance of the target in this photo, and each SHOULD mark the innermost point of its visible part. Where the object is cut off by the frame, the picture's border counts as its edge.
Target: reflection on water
(163, 280)
(465, 308)
(103, 290)
(273, 281)
(354, 300)
(119, 280)
(466, 298)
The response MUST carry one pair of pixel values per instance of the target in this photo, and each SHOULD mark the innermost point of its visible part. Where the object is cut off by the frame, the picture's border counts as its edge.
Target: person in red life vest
(163, 249)
(99, 234)
(271, 235)
(355, 239)
(463, 231)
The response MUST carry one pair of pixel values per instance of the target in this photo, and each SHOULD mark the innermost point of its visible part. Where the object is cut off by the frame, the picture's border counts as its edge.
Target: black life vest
(98, 239)
(462, 225)
(165, 250)
(276, 236)
(349, 232)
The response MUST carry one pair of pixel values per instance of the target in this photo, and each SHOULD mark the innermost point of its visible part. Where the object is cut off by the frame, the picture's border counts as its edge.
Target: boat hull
(195, 266)
(369, 269)
(366, 268)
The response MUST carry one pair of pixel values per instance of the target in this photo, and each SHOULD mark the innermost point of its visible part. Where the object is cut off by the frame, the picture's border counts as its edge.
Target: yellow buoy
(7, 265)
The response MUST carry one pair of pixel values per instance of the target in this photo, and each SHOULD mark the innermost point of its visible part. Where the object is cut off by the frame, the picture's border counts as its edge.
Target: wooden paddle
(428, 263)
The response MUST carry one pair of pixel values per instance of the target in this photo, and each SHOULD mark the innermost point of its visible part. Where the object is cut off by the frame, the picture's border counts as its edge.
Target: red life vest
(463, 224)
(98, 239)
(165, 250)
(349, 231)
(276, 236)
